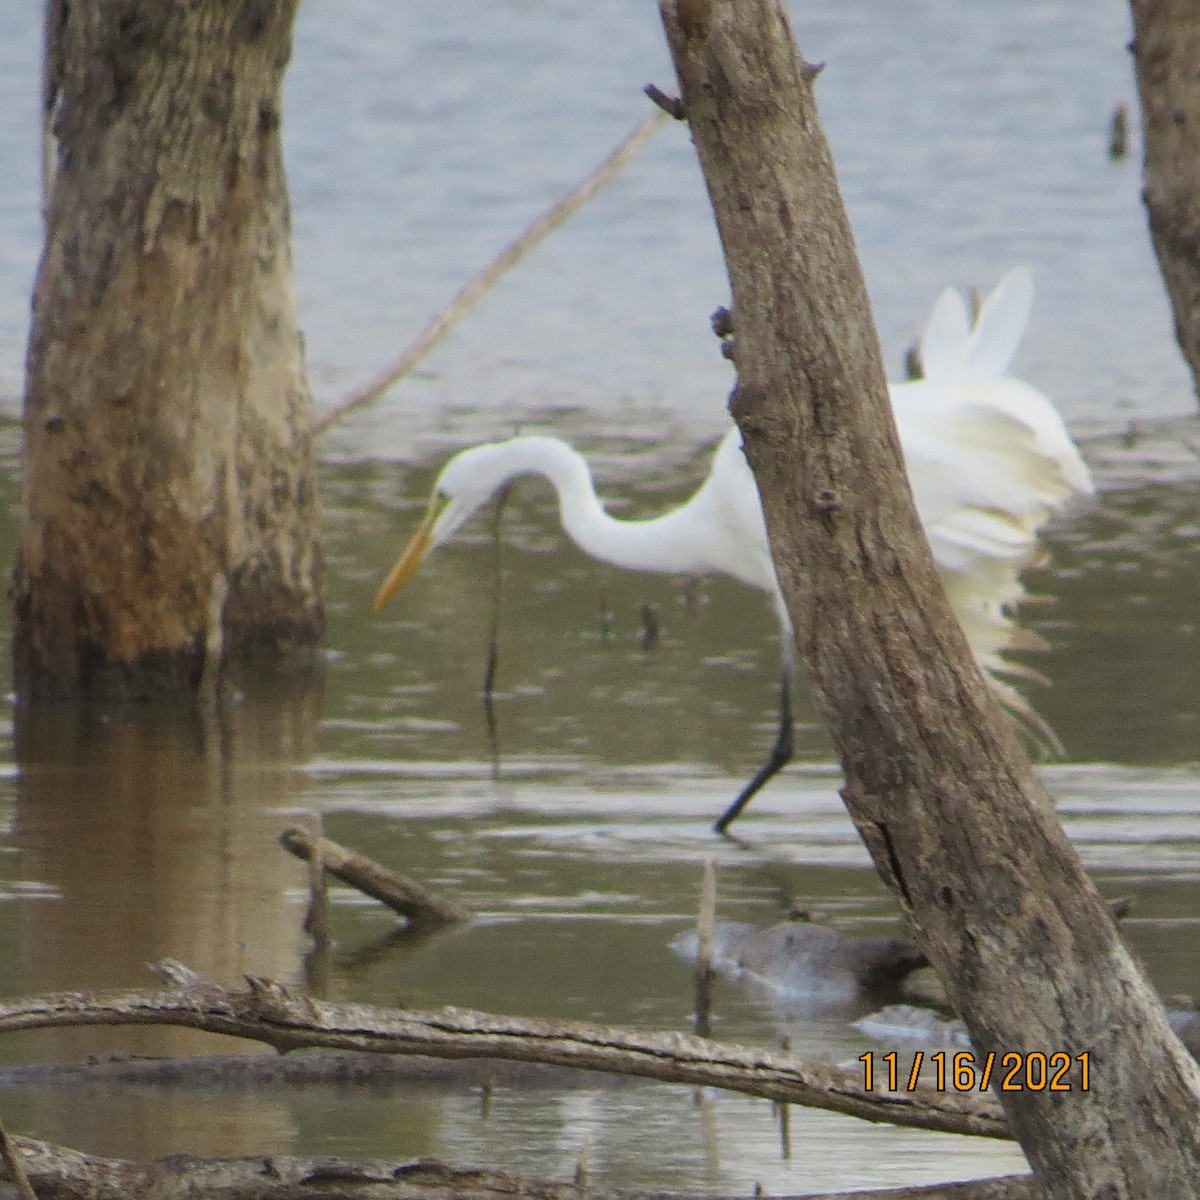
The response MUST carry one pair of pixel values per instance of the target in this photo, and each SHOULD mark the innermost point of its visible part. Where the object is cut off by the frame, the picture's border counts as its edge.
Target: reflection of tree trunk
(169, 508)
(1166, 56)
(154, 834)
(935, 778)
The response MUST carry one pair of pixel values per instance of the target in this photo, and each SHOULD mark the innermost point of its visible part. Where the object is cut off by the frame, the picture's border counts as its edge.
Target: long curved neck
(674, 542)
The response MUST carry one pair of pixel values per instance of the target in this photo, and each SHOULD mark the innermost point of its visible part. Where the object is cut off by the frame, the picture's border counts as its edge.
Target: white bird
(988, 457)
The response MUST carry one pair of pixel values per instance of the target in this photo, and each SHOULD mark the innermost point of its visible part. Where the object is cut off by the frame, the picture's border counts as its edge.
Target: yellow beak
(408, 562)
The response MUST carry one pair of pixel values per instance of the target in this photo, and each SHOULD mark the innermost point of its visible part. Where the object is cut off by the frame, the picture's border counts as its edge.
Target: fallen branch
(266, 1011)
(405, 896)
(469, 295)
(70, 1175)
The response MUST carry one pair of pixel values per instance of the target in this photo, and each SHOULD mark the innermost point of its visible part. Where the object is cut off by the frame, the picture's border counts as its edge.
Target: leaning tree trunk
(1166, 57)
(936, 780)
(169, 509)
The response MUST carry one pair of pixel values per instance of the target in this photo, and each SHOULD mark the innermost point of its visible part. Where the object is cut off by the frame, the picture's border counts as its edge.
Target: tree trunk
(936, 781)
(169, 507)
(1166, 58)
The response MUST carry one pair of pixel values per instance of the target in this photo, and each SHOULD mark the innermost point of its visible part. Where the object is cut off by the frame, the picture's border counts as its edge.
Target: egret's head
(465, 484)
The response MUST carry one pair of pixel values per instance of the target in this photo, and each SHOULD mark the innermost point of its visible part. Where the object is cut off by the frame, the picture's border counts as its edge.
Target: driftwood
(400, 893)
(64, 1174)
(266, 1011)
(706, 924)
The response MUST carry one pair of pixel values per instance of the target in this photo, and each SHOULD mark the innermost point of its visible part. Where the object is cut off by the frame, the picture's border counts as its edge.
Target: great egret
(988, 457)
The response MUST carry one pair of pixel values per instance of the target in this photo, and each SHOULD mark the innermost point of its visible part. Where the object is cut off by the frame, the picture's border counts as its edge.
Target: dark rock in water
(806, 964)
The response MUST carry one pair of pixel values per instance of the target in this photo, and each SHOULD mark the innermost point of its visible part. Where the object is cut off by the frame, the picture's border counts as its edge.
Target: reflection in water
(1124, 630)
(154, 830)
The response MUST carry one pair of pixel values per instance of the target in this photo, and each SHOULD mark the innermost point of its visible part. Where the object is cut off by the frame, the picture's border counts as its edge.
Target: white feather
(988, 457)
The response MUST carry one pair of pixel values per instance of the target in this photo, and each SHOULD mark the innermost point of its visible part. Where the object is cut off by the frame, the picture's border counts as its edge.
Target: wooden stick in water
(705, 934)
(316, 921)
(405, 896)
(493, 652)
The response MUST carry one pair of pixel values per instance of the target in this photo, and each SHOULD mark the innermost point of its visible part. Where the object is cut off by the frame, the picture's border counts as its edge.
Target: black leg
(780, 756)
(493, 654)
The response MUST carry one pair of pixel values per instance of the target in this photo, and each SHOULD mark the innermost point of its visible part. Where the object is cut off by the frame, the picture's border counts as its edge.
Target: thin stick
(705, 934)
(470, 294)
(583, 1162)
(316, 921)
(15, 1168)
(493, 653)
(404, 895)
(784, 1114)
(709, 1134)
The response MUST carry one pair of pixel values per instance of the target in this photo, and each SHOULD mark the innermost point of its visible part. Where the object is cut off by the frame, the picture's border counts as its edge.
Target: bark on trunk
(169, 509)
(1166, 57)
(935, 779)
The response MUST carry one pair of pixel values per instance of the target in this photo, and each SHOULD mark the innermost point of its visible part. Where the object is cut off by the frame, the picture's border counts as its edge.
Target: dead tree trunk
(1166, 58)
(169, 508)
(935, 778)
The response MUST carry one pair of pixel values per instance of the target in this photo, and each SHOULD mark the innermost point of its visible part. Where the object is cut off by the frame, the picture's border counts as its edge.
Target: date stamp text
(966, 1071)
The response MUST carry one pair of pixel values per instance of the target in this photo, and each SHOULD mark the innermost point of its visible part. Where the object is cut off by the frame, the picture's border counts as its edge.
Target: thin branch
(469, 295)
(268, 1012)
(316, 920)
(671, 105)
(706, 930)
(398, 892)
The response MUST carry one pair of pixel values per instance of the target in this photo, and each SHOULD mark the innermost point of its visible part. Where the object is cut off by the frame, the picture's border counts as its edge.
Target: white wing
(1001, 324)
(989, 460)
(946, 336)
